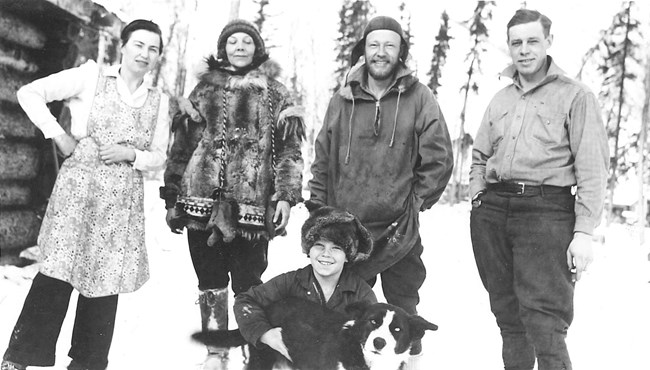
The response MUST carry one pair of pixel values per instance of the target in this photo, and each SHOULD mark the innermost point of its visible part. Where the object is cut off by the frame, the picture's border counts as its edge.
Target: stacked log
(18, 228)
(14, 193)
(17, 31)
(12, 80)
(19, 221)
(17, 58)
(15, 124)
(18, 161)
(20, 140)
(39, 37)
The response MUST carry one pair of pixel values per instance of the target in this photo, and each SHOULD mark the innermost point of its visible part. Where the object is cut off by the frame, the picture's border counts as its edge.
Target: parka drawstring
(392, 137)
(347, 155)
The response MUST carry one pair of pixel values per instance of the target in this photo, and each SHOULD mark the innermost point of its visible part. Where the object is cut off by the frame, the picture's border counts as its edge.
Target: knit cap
(339, 227)
(241, 25)
(379, 23)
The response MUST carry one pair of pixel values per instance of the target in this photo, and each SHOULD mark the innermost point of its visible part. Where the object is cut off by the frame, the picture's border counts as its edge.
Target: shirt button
(513, 137)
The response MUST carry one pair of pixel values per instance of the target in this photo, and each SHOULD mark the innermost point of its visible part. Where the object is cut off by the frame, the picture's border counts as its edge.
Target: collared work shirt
(552, 134)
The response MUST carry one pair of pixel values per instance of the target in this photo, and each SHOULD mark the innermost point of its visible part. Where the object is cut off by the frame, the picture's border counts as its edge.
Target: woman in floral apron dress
(92, 236)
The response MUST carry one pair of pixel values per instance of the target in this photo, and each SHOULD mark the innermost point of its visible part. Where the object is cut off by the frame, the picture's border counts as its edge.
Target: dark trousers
(33, 340)
(242, 259)
(402, 281)
(520, 245)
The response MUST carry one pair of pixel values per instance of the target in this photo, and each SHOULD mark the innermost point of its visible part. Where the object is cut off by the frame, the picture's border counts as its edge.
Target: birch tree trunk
(234, 9)
(641, 172)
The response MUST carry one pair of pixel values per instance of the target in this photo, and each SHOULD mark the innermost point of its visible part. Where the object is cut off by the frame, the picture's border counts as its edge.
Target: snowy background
(611, 329)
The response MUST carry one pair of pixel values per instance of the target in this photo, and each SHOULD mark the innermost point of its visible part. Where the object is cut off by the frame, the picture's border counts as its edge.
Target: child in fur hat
(332, 239)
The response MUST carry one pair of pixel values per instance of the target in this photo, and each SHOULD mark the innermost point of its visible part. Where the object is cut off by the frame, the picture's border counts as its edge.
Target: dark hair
(528, 16)
(141, 24)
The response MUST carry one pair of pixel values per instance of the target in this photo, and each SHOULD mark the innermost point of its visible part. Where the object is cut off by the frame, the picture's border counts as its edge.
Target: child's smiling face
(327, 258)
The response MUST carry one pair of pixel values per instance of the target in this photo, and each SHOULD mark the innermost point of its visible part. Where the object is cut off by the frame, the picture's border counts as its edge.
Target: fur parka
(249, 125)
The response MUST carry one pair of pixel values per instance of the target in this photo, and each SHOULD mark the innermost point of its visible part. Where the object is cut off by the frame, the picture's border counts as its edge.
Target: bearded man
(384, 154)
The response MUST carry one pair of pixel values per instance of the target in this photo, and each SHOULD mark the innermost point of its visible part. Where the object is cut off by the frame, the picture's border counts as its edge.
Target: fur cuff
(290, 197)
(291, 122)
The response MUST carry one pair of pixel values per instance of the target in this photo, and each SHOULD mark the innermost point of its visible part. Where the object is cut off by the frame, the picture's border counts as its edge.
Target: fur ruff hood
(351, 90)
(257, 77)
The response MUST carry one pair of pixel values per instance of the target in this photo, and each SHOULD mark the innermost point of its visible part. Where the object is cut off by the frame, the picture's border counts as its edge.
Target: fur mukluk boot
(214, 316)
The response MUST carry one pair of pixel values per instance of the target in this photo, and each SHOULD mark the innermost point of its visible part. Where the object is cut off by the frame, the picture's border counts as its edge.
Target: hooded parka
(383, 161)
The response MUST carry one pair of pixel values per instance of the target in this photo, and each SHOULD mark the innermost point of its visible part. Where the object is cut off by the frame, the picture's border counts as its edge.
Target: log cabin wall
(38, 38)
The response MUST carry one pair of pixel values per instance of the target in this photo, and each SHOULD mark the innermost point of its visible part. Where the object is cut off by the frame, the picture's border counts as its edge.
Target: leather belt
(520, 188)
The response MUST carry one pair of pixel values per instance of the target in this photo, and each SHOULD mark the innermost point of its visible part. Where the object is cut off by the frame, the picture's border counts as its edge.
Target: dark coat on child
(249, 306)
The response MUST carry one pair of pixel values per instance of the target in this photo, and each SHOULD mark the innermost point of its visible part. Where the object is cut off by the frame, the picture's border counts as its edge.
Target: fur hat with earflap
(341, 228)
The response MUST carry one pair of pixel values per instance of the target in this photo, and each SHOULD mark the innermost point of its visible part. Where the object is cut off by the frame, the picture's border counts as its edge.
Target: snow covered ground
(611, 328)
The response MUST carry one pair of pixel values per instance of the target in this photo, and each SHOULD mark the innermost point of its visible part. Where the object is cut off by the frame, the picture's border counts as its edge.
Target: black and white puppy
(368, 337)
(386, 333)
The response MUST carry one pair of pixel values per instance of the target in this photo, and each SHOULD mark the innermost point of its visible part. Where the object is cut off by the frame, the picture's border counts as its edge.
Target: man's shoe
(8, 365)
(74, 365)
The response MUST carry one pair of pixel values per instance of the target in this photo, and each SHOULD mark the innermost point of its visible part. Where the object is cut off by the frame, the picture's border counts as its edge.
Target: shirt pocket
(497, 129)
(549, 127)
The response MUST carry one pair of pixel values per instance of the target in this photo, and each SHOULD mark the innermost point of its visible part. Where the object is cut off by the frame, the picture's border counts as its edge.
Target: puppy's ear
(417, 326)
(357, 309)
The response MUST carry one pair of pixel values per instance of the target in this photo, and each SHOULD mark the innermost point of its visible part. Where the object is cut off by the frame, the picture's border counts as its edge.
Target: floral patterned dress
(92, 234)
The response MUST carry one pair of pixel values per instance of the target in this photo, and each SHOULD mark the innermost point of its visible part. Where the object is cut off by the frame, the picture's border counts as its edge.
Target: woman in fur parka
(234, 171)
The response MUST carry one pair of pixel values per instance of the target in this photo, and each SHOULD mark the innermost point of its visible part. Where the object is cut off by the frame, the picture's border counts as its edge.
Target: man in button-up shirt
(540, 137)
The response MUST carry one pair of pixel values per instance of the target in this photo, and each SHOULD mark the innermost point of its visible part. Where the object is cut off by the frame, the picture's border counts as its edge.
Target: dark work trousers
(520, 244)
(242, 259)
(402, 281)
(33, 341)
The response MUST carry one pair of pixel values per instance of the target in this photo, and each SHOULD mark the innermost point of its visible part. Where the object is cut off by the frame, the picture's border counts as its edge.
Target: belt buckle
(523, 188)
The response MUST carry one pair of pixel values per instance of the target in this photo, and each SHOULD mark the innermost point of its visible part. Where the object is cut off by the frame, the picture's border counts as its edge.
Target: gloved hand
(221, 223)
(173, 221)
(184, 106)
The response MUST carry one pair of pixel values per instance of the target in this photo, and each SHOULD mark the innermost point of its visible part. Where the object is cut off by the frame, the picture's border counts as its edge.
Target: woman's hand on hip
(114, 153)
(282, 213)
(66, 144)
